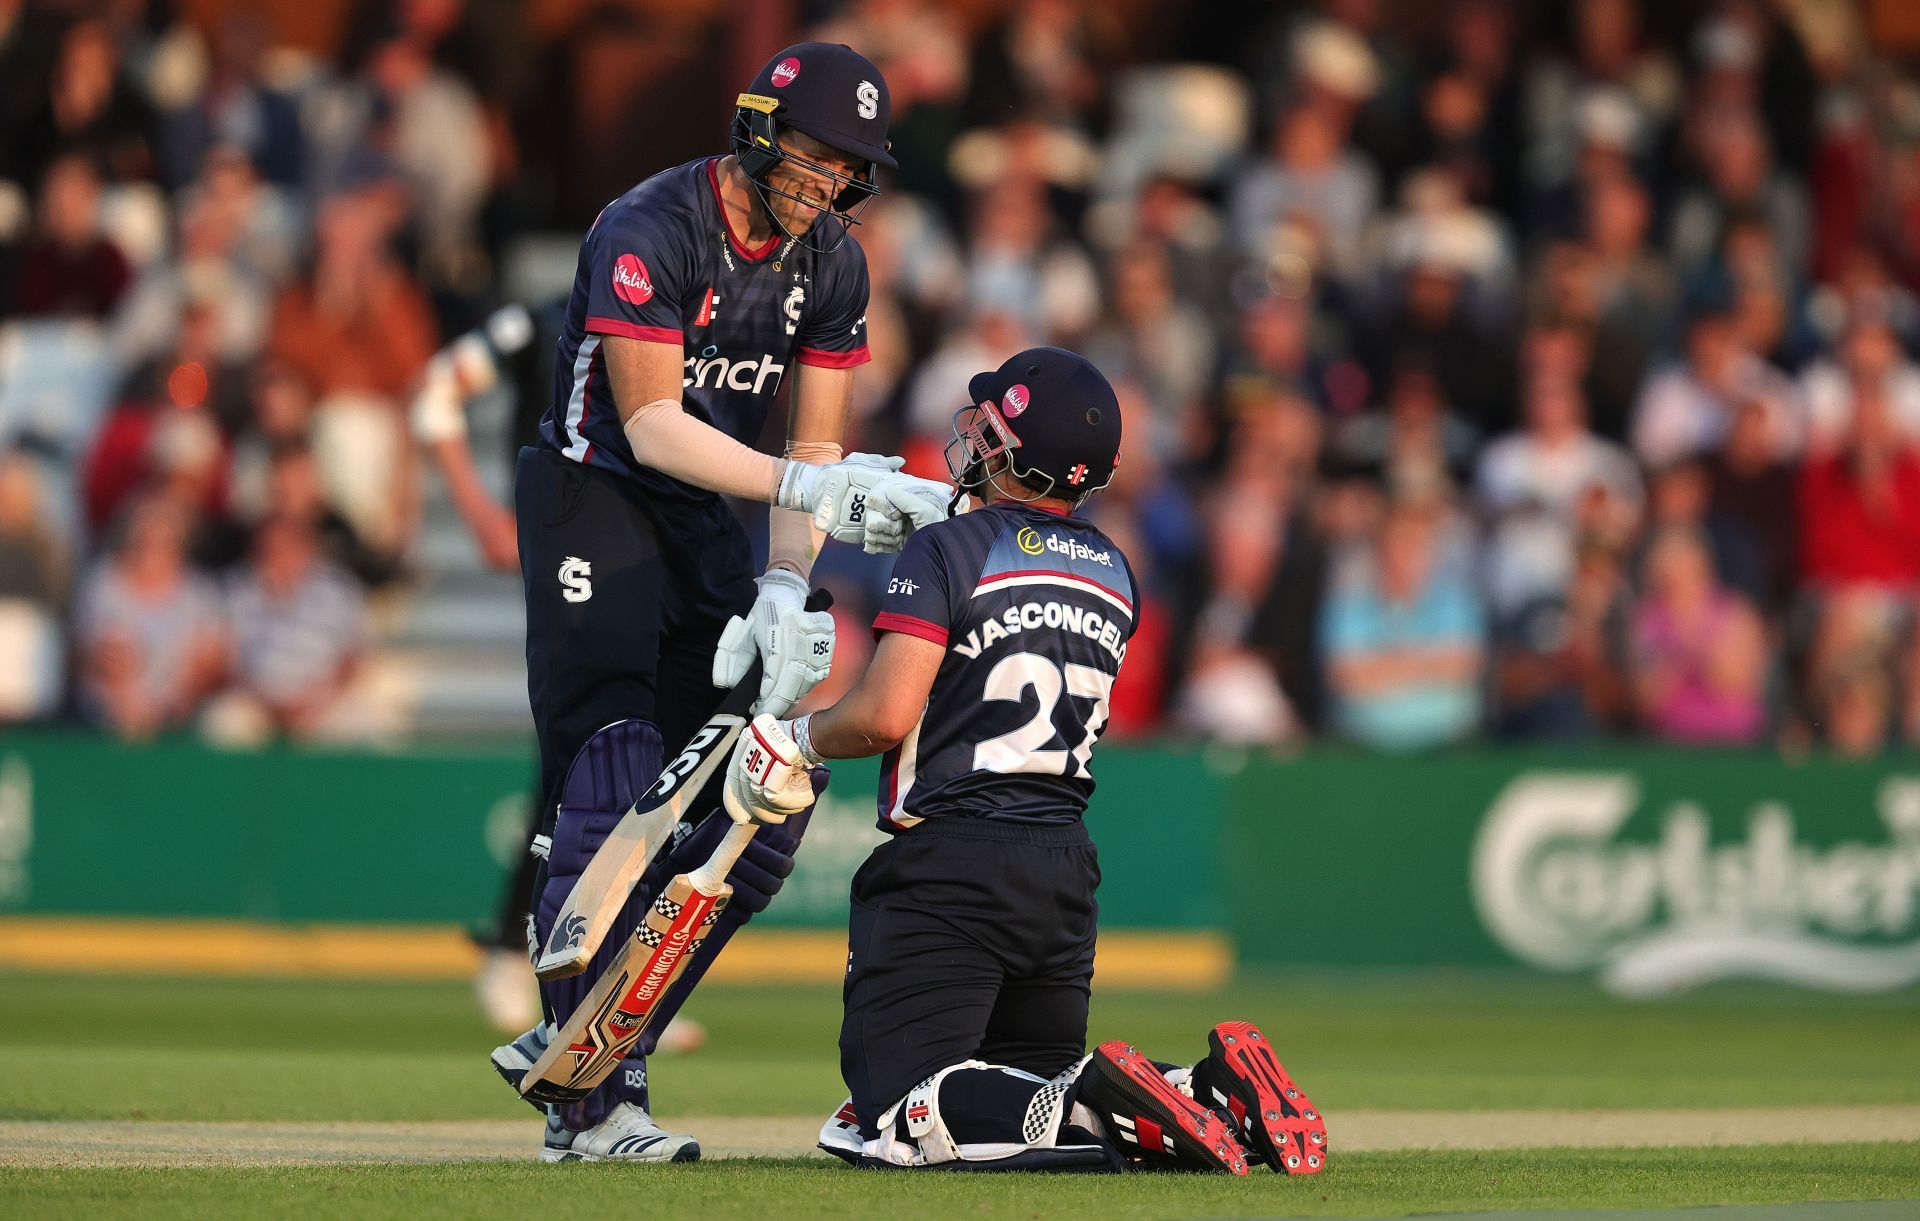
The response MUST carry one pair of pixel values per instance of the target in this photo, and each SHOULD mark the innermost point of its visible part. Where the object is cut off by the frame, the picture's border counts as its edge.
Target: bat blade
(603, 888)
(621, 1006)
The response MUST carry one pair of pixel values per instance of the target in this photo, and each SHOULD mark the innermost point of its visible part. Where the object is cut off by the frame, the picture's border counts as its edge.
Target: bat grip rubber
(711, 877)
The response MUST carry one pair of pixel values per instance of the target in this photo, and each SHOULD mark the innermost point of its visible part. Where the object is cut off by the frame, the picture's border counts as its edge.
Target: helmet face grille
(980, 433)
(757, 147)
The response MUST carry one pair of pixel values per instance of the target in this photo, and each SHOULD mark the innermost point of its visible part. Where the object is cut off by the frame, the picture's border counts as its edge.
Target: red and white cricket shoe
(1152, 1120)
(1272, 1116)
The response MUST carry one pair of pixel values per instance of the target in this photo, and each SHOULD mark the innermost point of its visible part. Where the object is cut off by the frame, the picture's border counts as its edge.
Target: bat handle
(711, 877)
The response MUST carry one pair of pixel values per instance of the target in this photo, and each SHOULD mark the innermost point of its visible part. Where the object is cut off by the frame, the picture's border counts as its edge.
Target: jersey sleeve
(636, 278)
(919, 598)
(834, 334)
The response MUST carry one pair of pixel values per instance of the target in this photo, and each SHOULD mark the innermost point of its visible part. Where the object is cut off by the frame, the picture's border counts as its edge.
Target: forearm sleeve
(666, 438)
(792, 541)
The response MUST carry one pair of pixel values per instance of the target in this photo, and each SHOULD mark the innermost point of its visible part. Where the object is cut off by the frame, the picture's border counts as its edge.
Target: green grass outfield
(148, 1051)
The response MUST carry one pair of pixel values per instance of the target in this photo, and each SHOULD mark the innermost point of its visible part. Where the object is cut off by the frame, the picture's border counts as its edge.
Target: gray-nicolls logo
(574, 585)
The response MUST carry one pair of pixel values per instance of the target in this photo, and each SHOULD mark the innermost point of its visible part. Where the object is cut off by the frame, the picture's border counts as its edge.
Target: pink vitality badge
(1014, 401)
(785, 71)
(630, 280)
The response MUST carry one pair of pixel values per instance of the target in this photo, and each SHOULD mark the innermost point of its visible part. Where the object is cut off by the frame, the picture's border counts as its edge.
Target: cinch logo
(1014, 401)
(1029, 540)
(785, 71)
(724, 374)
(1078, 551)
(630, 280)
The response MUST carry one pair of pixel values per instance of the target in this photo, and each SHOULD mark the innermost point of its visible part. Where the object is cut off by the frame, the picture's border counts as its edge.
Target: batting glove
(836, 495)
(795, 645)
(897, 505)
(769, 779)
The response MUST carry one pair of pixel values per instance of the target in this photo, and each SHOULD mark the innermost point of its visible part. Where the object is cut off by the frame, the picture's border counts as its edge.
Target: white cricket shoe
(628, 1134)
(505, 988)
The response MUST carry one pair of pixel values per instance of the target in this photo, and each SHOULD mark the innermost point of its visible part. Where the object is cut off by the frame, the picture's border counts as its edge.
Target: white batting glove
(795, 645)
(767, 780)
(836, 495)
(897, 505)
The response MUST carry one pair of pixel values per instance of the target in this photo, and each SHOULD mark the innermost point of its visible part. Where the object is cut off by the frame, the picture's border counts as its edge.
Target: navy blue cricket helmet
(834, 94)
(1051, 414)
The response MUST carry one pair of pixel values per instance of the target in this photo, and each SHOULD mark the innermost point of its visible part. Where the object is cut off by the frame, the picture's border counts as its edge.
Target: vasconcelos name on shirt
(1109, 634)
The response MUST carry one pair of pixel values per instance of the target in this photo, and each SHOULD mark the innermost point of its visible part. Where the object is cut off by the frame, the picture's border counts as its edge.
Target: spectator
(33, 593)
(1544, 487)
(1019, 264)
(1699, 653)
(68, 268)
(1738, 180)
(1414, 445)
(1403, 642)
(1688, 407)
(236, 107)
(1752, 490)
(356, 323)
(1560, 660)
(1308, 178)
(1156, 340)
(1860, 507)
(33, 563)
(1869, 361)
(299, 641)
(90, 106)
(149, 638)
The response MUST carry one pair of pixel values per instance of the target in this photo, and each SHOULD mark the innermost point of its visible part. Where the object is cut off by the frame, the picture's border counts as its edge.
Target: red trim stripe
(632, 330)
(766, 248)
(909, 625)
(822, 359)
(1073, 577)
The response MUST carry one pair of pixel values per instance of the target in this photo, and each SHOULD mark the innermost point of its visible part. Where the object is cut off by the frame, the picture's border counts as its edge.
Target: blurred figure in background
(33, 593)
(299, 637)
(68, 268)
(1688, 407)
(150, 640)
(1699, 654)
(1403, 637)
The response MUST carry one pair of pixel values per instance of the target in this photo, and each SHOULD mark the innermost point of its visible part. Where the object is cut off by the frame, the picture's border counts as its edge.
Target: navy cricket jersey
(1035, 611)
(661, 264)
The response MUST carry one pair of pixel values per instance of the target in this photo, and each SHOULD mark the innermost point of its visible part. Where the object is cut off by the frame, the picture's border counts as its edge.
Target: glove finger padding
(735, 654)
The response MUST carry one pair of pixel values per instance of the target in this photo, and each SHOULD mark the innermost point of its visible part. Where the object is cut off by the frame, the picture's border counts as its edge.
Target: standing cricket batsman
(699, 292)
(971, 937)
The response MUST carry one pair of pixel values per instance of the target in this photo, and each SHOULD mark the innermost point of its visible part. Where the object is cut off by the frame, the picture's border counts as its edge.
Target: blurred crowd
(1492, 369)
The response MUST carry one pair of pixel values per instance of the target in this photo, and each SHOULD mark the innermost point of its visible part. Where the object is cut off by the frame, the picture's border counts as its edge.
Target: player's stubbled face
(815, 188)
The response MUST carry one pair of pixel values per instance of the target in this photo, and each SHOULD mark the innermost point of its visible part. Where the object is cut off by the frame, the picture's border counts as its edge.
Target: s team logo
(574, 571)
(868, 99)
(630, 280)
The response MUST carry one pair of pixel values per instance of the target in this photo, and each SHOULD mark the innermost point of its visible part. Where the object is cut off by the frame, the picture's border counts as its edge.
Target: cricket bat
(621, 1006)
(602, 890)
